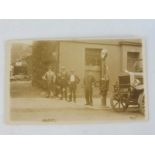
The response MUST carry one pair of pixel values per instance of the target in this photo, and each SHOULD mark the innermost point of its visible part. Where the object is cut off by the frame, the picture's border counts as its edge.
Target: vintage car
(20, 77)
(128, 91)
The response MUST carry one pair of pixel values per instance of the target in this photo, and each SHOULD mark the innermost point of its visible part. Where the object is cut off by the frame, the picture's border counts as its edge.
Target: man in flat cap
(50, 78)
(89, 81)
(73, 80)
(64, 83)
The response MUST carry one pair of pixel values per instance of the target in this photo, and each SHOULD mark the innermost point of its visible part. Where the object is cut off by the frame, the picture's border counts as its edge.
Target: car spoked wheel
(119, 105)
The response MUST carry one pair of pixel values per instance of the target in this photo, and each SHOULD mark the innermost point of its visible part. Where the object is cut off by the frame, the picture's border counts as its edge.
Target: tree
(44, 53)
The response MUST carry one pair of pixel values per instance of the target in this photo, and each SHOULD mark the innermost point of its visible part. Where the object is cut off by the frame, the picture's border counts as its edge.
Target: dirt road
(29, 104)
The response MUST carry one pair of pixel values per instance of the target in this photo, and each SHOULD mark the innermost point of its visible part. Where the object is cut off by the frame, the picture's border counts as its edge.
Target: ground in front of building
(29, 104)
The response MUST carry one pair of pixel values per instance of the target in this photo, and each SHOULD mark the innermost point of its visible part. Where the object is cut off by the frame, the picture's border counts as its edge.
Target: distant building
(85, 55)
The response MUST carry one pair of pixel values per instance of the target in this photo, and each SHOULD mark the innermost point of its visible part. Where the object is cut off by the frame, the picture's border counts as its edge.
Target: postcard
(54, 81)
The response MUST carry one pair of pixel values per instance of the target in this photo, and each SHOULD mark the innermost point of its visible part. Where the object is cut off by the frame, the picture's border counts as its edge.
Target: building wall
(71, 54)
(76, 61)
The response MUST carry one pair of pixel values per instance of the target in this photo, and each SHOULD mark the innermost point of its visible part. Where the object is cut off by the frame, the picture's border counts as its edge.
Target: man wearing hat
(89, 81)
(64, 83)
(50, 78)
(73, 81)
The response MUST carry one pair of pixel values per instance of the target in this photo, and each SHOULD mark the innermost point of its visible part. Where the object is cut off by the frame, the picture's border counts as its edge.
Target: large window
(92, 57)
(134, 63)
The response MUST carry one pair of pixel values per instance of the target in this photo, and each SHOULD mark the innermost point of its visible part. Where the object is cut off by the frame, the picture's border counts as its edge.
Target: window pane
(92, 57)
(133, 61)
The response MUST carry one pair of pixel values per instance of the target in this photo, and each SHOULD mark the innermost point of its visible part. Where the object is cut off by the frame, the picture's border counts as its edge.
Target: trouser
(72, 95)
(57, 90)
(104, 90)
(104, 98)
(88, 96)
(50, 87)
(64, 92)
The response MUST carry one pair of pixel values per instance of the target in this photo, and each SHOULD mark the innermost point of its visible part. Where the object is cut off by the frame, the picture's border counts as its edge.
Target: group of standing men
(59, 85)
(64, 85)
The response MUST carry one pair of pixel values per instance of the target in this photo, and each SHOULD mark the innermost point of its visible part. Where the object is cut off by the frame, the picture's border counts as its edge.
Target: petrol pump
(104, 77)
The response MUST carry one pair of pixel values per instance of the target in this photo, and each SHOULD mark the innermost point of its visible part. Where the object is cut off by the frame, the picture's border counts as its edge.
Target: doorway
(93, 64)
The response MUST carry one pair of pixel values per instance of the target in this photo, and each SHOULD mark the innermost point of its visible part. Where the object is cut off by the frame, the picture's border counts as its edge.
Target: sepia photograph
(76, 81)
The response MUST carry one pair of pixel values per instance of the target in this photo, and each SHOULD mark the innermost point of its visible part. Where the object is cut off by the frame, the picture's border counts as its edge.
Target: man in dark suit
(64, 83)
(58, 85)
(89, 80)
(73, 80)
(104, 85)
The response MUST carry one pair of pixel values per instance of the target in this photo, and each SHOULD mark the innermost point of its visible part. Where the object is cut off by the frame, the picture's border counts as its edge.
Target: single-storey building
(81, 55)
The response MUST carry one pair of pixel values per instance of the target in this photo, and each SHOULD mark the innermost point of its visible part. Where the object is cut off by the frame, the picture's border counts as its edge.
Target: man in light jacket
(50, 78)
